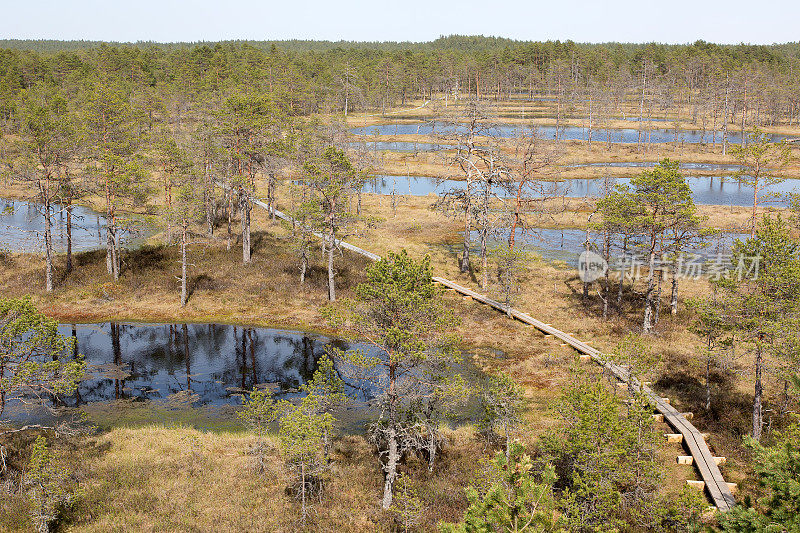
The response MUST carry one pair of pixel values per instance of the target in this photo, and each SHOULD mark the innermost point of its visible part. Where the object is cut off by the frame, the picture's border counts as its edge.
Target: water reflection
(22, 228)
(209, 364)
(567, 244)
(706, 190)
(624, 135)
(399, 146)
(650, 164)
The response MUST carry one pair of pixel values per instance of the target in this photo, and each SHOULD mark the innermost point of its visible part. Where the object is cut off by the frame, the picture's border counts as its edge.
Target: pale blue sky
(673, 21)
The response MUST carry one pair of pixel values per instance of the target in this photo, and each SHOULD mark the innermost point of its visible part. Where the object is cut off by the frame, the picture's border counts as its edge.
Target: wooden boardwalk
(718, 490)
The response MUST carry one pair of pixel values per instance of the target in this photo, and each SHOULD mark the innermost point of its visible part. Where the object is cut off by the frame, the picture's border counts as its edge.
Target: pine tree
(114, 144)
(47, 142)
(519, 498)
(46, 487)
(332, 179)
(399, 312)
(655, 211)
(777, 470)
(502, 404)
(304, 430)
(605, 458)
(761, 161)
(758, 298)
(34, 358)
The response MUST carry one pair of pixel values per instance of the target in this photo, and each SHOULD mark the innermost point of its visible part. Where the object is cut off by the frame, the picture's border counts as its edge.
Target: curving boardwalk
(718, 489)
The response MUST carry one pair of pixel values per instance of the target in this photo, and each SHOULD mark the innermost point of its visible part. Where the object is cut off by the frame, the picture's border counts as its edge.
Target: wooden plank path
(718, 489)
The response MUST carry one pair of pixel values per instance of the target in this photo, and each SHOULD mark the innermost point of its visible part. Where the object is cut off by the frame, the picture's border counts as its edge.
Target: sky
(667, 21)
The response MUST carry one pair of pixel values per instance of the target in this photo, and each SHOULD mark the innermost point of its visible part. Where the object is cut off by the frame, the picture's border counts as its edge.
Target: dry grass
(265, 292)
(158, 479)
(572, 151)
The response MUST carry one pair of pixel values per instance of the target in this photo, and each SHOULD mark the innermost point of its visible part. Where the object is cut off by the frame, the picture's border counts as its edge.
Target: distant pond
(567, 244)
(623, 135)
(22, 228)
(706, 190)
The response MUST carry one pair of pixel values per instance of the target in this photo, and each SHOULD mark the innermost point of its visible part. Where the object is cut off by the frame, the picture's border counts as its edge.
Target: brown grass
(180, 479)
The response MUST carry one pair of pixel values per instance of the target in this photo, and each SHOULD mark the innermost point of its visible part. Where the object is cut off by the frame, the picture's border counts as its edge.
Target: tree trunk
(657, 299)
(586, 249)
(245, 209)
(393, 457)
(209, 205)
(391, 468)
(607, 286)
(621, 286)
(271, 200)
(303, 266)
(183, 264)
(725, 121)
(230, 217)
(673, 306)
(708, 384)
(331, 281)
(484, 239)
(431, 448)
(464, 266)
(647, 324)
(48, 249)
(758, 420)
(109, 250)
(69, 237)
(755, 208)
(117, 260)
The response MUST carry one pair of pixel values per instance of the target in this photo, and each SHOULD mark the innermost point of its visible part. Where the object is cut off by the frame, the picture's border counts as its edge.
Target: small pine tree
(303, 438)
(777, 468)
(635, 354)
(519, 498)
(32, 354)
(605, 457)
(407, 505)
(510, 264)
(502, 404)
(400, 312)
(46, 487)
(304, 430)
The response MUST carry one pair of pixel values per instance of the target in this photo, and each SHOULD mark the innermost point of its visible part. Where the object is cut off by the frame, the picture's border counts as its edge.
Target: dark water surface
(211, 362)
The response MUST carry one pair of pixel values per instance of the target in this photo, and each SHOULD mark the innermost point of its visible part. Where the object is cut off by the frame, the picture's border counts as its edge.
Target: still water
(625, 135)
(567, 244)
(22, 228)
(212, 363)
(649, 164)
(706, 190)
